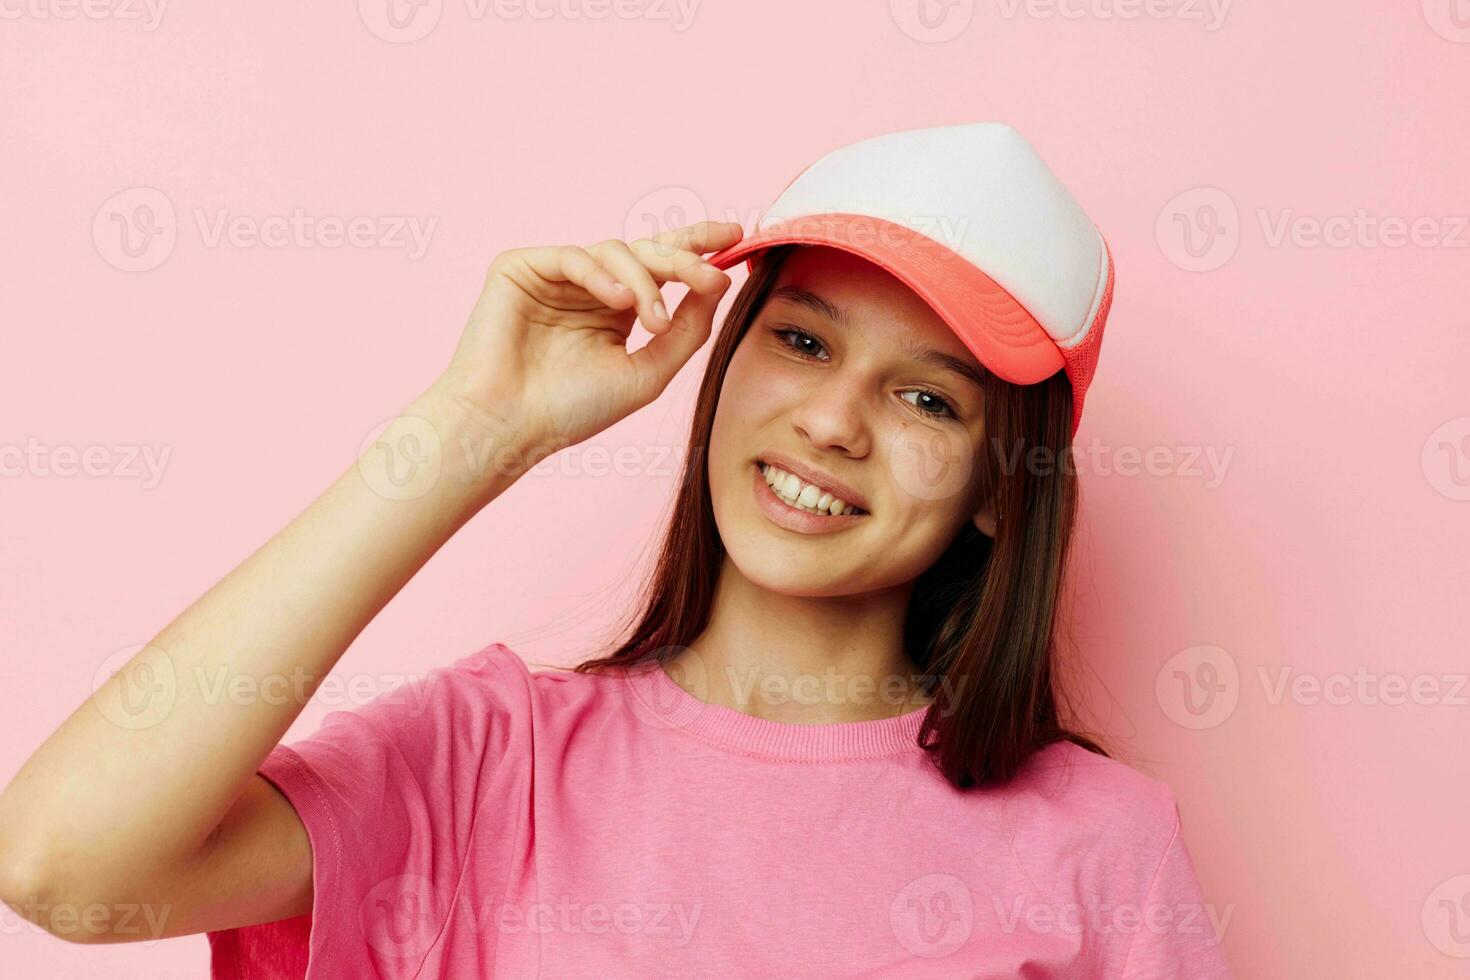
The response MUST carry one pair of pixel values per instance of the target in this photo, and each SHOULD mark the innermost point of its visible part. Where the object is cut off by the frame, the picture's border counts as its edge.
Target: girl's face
(848, 379)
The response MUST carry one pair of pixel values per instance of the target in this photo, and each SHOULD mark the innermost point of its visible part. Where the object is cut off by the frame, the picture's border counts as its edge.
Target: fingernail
(658, 308)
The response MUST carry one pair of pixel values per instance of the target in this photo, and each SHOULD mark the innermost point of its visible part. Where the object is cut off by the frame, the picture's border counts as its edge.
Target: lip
(784, 515)
(812, 475)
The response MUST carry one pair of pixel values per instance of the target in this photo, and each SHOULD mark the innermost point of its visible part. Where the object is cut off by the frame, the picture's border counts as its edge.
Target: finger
(618, 258)
(701, 236)
(574, 264)
(667, 263)
(657, 361)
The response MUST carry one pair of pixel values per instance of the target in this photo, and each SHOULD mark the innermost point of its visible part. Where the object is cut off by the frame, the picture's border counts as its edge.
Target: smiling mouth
(806, 497)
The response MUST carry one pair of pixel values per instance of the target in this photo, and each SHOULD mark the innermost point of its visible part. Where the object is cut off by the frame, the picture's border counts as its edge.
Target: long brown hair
(985, 614)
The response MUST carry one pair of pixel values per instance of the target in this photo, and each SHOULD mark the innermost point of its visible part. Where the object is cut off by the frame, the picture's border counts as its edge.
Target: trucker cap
(970, 218)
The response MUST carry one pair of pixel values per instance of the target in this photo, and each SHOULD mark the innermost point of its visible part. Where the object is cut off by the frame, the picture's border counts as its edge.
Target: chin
(787, 568)
(796, 583)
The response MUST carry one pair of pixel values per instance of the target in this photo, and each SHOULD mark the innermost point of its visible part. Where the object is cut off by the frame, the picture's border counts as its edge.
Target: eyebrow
(809, 300)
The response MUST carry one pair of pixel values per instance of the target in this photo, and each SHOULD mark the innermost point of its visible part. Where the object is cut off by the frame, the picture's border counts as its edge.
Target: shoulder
(498, 676)
(564, 693)
(489, 698)
(493, 677)
(1104, 794)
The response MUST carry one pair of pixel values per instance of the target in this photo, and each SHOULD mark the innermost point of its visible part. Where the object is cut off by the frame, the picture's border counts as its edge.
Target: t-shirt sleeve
(390, 794)
(1177, 934)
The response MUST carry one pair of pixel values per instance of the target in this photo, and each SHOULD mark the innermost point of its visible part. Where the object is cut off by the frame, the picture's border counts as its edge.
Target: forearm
(141, 773)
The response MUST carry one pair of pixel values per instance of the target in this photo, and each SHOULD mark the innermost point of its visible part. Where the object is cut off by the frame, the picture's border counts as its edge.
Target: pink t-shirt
(488, 820)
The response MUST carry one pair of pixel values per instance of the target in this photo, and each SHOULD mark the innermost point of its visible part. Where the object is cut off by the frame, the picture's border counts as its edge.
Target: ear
(985, 519)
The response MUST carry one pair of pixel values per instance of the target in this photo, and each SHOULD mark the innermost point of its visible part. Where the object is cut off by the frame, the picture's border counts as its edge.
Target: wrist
(481, 446)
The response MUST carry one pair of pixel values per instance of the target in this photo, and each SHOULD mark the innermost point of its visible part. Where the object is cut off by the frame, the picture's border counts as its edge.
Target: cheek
(757, 374)
(932, 468)
(756, 393)
(916, 533)
(734, 433)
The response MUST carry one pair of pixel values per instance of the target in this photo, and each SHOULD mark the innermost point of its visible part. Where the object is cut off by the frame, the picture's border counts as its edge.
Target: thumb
(656, 362)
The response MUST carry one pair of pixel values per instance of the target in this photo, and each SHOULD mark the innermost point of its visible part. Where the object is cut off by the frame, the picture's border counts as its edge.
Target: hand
(545, 351)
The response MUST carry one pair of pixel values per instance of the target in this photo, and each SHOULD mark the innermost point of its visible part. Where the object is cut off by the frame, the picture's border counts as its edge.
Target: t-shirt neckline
(661, 699)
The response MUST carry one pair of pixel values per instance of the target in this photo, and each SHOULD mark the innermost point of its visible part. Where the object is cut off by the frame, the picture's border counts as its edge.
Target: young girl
(830, 744)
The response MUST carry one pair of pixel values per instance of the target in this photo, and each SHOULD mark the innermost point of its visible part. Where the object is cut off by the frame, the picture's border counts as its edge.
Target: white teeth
(806, 496)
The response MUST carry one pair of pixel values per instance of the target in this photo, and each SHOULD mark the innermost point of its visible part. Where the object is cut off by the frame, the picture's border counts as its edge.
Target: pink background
(1329, 379)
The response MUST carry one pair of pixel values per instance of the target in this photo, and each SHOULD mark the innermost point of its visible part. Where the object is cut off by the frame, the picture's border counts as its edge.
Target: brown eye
(928, 401)
(803, 344)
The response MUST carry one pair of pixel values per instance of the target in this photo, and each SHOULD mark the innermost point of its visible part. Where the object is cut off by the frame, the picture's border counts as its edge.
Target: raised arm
(147, 796)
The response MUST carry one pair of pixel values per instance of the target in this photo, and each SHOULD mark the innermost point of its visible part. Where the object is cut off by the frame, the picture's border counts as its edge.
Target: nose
(833, 415)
